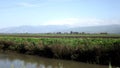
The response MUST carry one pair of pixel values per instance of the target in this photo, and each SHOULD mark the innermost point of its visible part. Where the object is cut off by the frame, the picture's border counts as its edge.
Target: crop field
(62, 35)
(90, 49)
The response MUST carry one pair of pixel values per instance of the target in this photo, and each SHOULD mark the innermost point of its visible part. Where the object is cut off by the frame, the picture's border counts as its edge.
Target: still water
(13, 60)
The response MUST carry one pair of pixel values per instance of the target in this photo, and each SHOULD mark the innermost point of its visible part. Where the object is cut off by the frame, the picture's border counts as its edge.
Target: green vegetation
(55, 34)
(90, 50)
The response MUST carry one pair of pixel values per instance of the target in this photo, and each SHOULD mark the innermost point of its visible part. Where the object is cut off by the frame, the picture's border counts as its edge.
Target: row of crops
(89, 50)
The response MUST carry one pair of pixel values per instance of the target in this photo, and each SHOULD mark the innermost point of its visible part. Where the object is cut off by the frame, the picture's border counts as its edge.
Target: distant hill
(97, 29)
(33, 29)
(63, 28)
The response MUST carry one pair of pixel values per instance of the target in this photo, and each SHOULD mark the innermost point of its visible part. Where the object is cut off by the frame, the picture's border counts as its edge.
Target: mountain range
(62, 28)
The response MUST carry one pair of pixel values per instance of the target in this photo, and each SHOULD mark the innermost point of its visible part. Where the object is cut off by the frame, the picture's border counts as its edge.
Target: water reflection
(13, 60)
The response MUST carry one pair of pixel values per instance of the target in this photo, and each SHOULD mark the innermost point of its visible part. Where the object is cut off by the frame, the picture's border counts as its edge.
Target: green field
(89, 50)
(53, 34)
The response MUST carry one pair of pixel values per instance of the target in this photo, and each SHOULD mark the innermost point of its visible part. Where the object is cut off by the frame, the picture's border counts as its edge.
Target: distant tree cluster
(71, 32)
(103, 33)
(74, 32)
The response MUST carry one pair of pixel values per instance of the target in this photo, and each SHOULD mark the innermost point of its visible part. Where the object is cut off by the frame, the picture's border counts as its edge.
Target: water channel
(14, 60)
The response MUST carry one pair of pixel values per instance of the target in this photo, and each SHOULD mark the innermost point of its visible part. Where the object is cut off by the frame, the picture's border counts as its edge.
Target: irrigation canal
(13, 60)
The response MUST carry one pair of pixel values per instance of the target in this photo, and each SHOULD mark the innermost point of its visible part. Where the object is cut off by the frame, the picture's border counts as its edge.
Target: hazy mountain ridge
(98, 29)
(33, 29)
(62, 28)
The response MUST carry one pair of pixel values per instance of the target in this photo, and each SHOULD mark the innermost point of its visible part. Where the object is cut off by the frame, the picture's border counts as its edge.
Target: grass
(89, 50)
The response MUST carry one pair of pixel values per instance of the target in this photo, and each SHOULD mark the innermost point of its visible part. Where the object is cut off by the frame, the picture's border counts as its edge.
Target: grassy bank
(90, 50)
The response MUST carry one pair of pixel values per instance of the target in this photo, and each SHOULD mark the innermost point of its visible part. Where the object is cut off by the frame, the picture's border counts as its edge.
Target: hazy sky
(59, 12)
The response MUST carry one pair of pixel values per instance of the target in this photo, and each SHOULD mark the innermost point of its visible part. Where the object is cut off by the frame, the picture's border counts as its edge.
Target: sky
(59, 12)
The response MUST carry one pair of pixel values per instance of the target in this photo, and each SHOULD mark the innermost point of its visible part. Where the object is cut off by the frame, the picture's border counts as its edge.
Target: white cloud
(38, 3)
(82, 22)
(28, 5)
(67, 21)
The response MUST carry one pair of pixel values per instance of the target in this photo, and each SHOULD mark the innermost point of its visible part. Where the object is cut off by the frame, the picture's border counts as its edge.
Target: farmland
(52, 35)
(98, 49)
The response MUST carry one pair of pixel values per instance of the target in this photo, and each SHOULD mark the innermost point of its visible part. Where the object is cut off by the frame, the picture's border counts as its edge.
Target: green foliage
(92, 50)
